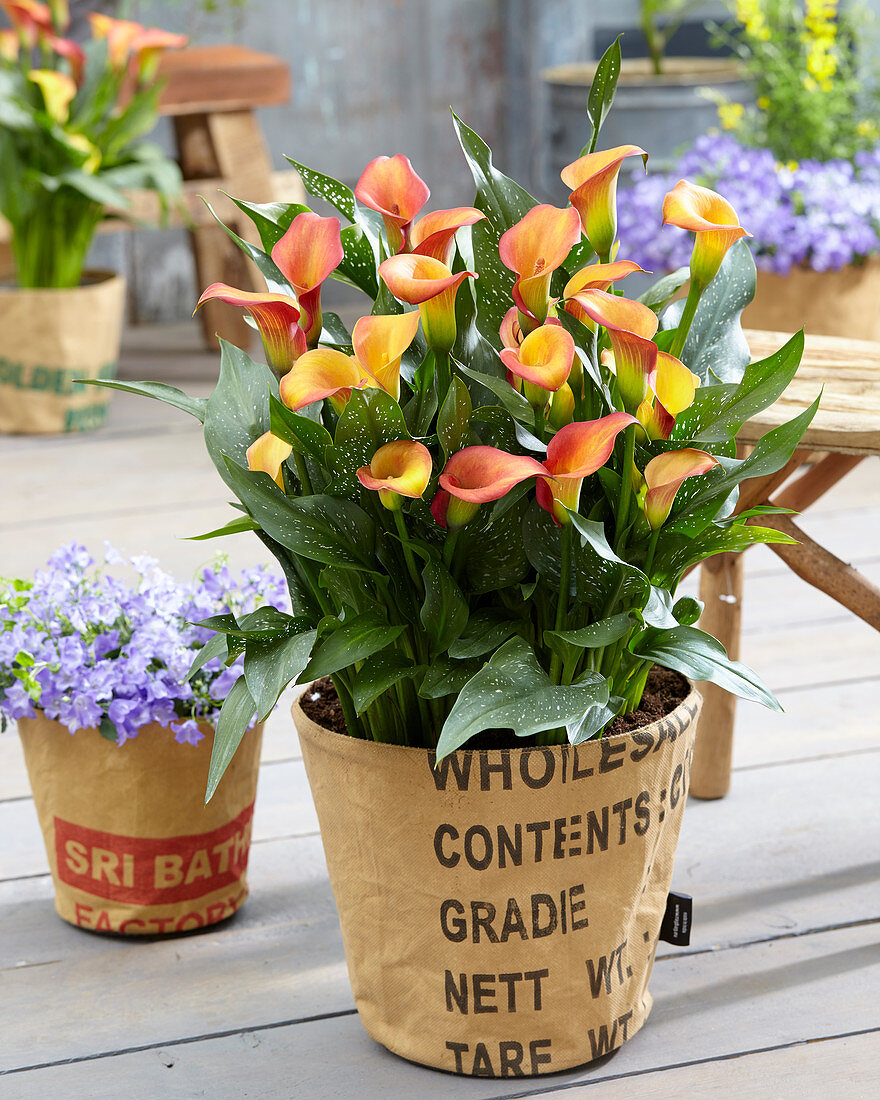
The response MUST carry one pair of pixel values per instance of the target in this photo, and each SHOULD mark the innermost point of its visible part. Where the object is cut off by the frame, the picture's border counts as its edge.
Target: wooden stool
(845, 429)
(211, 94)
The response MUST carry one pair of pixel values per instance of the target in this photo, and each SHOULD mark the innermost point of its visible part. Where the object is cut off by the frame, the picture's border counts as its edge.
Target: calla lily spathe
(477, 475)
(543, 362)
(575, 452)
(276, 317)
(58, 91)
(29, 16)
(630, 326)
(320, 373)
(593, 182)
(533, 249)
(399, 469)
(434, 234)
(380, 341)
(711, 218)
(595, 277)
(428, 283)
(393, 188)
(664, 476)
(309, 251)
(268, 454)
(72, 53)
(120, 35)
(674, 388)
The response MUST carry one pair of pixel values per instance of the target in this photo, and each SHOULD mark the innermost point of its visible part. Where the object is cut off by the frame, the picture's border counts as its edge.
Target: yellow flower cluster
(868, 128)
(730, 115)
(820, 30)
(751, 15)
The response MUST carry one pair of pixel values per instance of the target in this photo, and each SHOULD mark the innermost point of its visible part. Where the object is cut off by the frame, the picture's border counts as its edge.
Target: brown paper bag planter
(826, 303)
(500, 913)
(132, 847)
(50, 337)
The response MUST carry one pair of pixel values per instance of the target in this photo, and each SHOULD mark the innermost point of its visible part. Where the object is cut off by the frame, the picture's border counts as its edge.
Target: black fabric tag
(676, 926)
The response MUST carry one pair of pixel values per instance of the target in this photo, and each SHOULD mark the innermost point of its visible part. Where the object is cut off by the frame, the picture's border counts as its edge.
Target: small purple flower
(99, 647)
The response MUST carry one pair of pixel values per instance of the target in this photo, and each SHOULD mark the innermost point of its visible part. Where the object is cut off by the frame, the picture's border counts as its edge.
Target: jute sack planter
(500, 914)
(132, 846)
(826, 303)
(47, 339)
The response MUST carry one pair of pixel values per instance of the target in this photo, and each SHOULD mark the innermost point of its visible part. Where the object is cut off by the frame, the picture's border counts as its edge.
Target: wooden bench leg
(228, 146)
(721, 588)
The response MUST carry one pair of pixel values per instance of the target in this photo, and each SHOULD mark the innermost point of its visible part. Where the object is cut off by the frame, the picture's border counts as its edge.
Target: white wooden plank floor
(778, 995)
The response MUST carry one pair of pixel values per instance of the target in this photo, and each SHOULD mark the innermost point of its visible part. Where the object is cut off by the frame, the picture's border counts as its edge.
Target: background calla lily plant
(484, 498)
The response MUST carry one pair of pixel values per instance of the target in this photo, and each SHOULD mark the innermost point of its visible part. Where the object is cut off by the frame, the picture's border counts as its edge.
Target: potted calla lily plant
(71, 143)
(483, 499)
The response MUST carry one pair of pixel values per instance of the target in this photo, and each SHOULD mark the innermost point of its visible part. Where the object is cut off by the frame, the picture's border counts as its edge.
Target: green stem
(626, 472)
(449, 548)
(352, 722)
(444, 375)
(652, 548)
(687, 319)
(407, 553)
(562, 601)
(302, 473)
(538, 422)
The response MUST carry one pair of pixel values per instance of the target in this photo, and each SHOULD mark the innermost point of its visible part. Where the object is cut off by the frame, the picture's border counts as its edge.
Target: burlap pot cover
(826, 303)
(500, 914)
(47, 339)
(132, 846)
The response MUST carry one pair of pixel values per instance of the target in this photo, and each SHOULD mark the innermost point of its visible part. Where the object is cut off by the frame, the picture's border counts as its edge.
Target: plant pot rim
(639, 71)
(92, 279)
(686, 711)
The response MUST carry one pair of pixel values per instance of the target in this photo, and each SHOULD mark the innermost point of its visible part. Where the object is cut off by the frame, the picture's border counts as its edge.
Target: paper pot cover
(131, 844)
(50, 337)
(500, 913)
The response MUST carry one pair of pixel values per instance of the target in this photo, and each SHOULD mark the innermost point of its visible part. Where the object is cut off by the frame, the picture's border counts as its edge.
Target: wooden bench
(211, 94)
(844, 431)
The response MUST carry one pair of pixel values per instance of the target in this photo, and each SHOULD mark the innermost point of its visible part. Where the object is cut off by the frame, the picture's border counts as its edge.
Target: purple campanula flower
(85, 647)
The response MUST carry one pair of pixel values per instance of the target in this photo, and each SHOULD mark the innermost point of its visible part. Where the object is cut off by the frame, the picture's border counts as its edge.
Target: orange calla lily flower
(269, 453)
(29, 16)
(309, 251)
(320, 373)
(434, 234)
(543, 361)
(379, 342)
(429, 284)
(58, 91)
(595, 277)
(510, 332)
(575, 452)
(593, 182)
(276, 317)
(120, 34)
(72, 52)
(664, 476)
(674, 389)
(711, 218)
(148, 47)
(476, 475)
(391, 186)
(10, 44)
(533, 249)
(630, 326)
(401, 469)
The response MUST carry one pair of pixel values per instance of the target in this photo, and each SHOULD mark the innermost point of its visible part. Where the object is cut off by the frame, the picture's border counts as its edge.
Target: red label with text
(141, 871)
